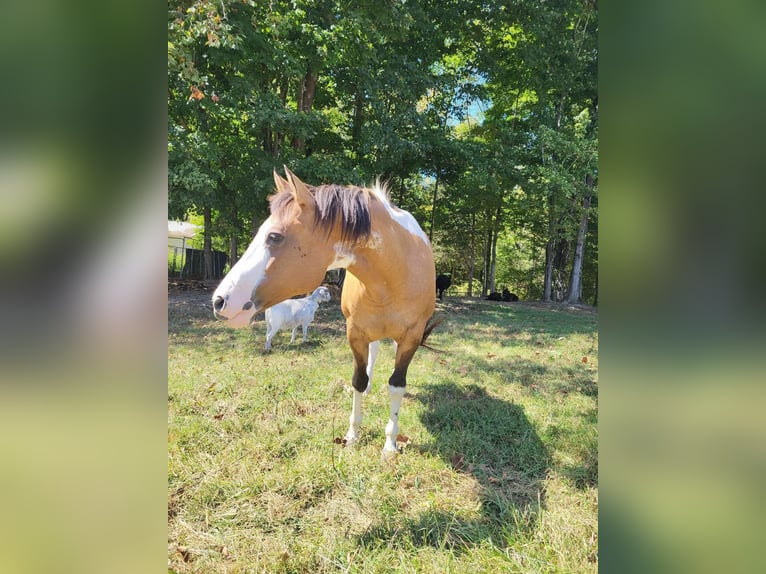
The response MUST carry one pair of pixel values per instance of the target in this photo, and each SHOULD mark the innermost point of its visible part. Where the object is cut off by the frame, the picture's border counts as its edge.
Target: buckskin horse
(389, 288)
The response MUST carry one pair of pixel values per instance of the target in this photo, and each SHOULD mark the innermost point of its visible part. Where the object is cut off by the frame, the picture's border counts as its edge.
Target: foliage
(350, 92)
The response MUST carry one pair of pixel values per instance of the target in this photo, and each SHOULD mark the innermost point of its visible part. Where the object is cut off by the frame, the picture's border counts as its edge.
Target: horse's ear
(280, 182)
(299, 190)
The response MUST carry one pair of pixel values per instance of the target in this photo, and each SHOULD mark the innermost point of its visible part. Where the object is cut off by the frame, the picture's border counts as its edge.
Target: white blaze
(237, 287)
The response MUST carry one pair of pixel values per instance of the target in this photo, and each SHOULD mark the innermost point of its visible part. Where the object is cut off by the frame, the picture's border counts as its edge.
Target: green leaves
(349, 92)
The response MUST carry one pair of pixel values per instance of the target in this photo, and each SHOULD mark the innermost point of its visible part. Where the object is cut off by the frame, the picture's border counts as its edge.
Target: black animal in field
(506, 296)
(443, 281)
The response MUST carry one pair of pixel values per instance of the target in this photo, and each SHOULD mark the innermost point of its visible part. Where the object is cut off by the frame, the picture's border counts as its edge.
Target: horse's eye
(275, 238)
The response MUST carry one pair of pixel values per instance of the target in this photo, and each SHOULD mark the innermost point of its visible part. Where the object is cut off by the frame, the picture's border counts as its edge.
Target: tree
(540, 98)
(349, 92)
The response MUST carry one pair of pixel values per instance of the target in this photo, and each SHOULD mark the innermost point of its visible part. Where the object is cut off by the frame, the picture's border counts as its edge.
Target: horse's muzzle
(235, 318)
(218, 304)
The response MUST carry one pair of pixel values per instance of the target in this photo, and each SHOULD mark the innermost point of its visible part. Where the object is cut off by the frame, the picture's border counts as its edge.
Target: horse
(387, 292)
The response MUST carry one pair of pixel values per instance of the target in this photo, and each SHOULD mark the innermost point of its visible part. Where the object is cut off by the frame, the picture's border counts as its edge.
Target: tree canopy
(481, 117)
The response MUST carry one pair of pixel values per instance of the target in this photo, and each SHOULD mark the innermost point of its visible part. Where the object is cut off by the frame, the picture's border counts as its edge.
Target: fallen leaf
(585, 359)
(403, 439)
(491, 355)
(218, 417)
(184, 552)
(196, 93)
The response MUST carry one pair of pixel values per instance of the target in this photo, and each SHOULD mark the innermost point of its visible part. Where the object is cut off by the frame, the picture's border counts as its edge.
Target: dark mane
(348, 206)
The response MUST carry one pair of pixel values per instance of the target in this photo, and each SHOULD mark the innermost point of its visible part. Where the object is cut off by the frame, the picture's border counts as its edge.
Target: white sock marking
(392, 428)
(372, 356)
(355, 420)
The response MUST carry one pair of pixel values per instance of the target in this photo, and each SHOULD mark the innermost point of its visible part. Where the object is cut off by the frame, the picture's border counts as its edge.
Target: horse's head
(287, 257)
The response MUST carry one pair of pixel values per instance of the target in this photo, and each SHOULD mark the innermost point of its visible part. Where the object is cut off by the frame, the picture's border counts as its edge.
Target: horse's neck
(379, 260)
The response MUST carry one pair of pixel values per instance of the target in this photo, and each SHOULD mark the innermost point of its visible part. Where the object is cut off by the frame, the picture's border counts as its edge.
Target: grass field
(499, 464)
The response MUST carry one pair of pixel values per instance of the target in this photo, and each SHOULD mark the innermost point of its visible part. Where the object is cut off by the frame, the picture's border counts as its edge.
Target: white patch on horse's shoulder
(375, 241)
(343, 258)
(403, 218)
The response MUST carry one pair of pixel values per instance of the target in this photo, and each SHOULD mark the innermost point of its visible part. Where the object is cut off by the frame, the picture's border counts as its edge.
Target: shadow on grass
(535, 377)
(492, 441)
(551, 321)
(553, 383)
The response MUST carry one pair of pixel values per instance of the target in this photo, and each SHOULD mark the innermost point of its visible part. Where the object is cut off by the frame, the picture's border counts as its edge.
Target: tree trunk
(487, 256)
(433, 206)
(575, 280)
(356, 127)
(306, 92)
(233, 248)
(560, 265)
(533, 269)
(278, 137)
(472, 261)
(233, 238)
(548, 277)
(207, 248)
(595, 297)
(493, 253)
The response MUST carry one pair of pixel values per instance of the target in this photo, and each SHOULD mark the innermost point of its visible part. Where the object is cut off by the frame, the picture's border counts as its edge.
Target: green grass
(499, 472)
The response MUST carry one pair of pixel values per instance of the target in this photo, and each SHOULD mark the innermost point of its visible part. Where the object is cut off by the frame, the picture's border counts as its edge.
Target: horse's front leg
(397, 385)
(364, 361)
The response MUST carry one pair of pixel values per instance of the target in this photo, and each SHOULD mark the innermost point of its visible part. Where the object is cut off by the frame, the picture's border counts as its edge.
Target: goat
(294, 313)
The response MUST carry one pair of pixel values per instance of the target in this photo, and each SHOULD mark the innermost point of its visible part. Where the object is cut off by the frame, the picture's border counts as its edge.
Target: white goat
(293, 313)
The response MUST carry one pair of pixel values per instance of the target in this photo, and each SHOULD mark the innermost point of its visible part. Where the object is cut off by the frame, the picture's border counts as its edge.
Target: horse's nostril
(218, 304)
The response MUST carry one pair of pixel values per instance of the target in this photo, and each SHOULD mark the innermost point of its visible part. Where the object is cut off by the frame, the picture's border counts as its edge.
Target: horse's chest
(378, 322)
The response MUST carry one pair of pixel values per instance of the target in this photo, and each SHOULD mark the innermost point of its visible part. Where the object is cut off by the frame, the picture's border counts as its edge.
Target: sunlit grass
(498, 470)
